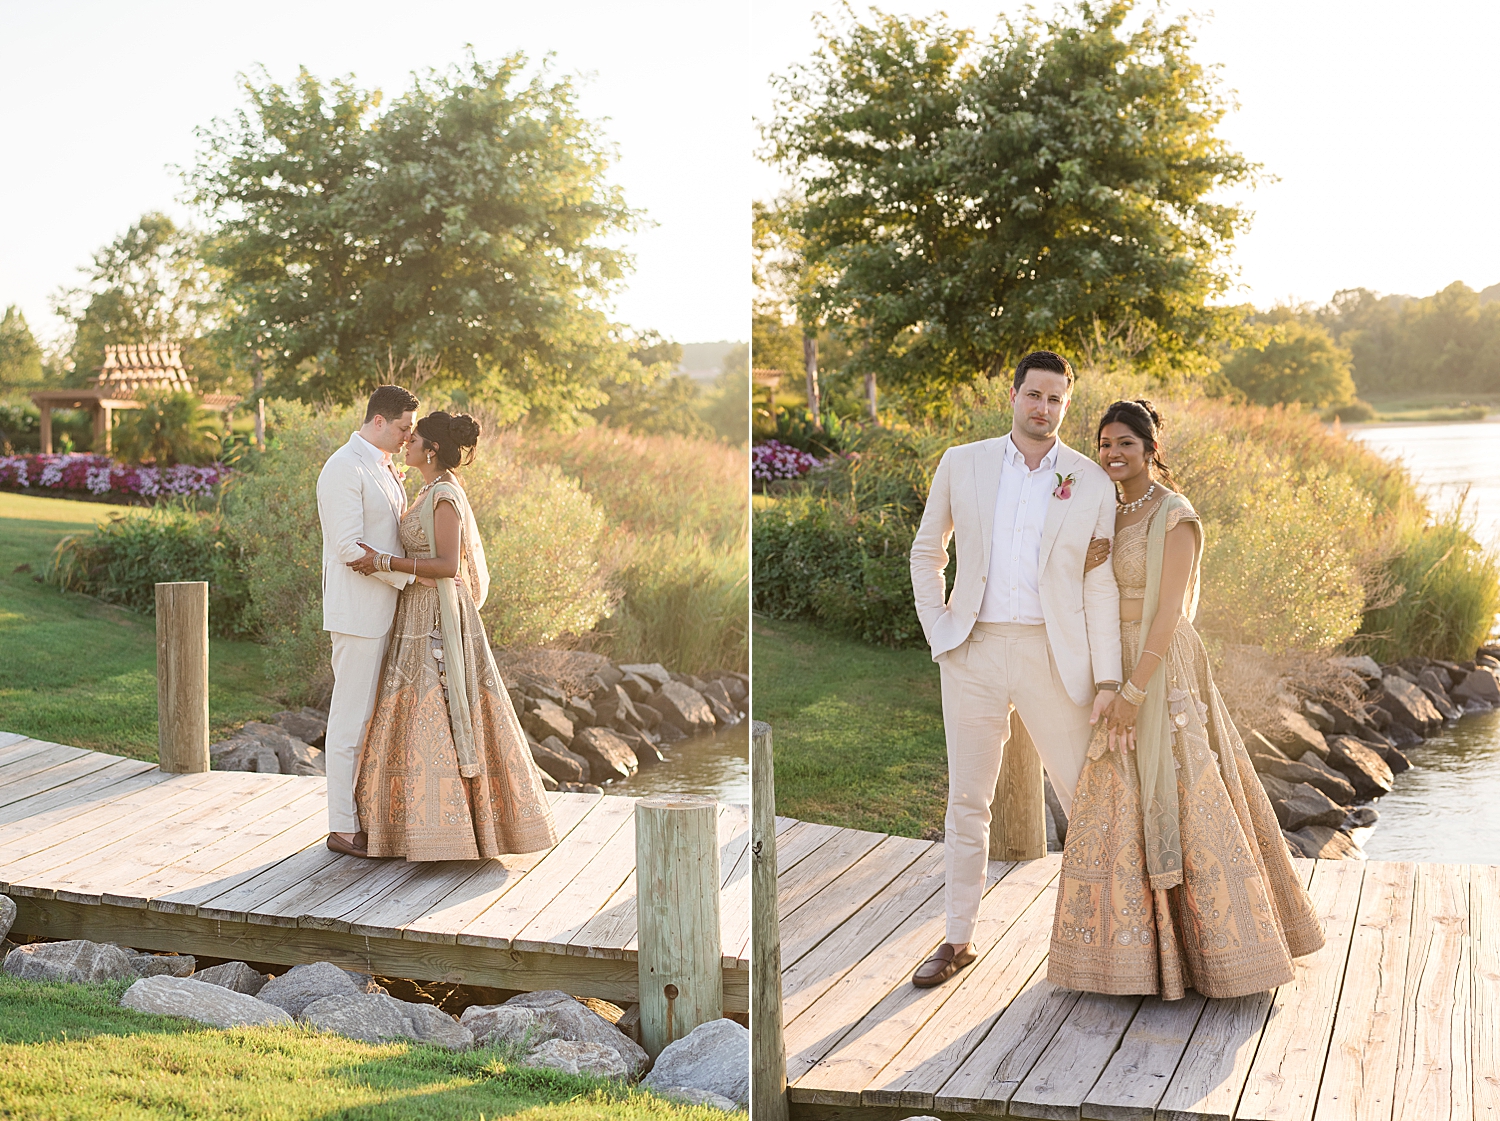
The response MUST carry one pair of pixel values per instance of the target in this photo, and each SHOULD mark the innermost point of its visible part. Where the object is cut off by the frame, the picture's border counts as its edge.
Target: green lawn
(79, 672)
(69, 1052)
(857, 729)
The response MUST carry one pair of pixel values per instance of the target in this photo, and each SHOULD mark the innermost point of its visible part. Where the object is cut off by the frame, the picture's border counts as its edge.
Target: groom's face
(1040, 403)
(391, 435)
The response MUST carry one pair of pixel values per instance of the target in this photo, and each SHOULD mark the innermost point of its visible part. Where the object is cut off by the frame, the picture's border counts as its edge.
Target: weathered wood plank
(734, 910)
(10, 739)
(994, 1070)
(37, 763)
(562, 917)
(1432, 1079)
(237, 901)
(980, 994)
(807, 978)
(21, 748)
(1359, 1078)
(798, 840)
(62, 774)
(824, 865)
(1076, 1057)
(506, 916)
(1484, 929)
(1137, 1075)
(77, 795)
(858, 1052)
(1283, 1080)
(805, 926)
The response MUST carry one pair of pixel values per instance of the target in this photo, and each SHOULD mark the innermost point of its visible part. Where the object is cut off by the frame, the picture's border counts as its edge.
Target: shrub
(1447, 594)
(123, 560)
(168, 429)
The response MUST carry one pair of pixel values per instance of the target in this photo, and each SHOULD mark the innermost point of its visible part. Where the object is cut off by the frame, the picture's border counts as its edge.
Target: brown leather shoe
(943, 963)
(337, 844)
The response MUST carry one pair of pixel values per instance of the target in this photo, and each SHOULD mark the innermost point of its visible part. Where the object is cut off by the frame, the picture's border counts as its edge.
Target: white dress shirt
(1012, 593)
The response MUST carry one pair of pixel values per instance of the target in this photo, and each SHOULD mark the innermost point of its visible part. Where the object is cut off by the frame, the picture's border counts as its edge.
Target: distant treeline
(1403, 346)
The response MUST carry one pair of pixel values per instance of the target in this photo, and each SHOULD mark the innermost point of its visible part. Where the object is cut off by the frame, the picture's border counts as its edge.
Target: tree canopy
(20, 357)
(463, 235)
(966, 202)
(1290, 358)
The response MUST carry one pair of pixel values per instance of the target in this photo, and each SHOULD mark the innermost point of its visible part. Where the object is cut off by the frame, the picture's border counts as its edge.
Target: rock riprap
(198, 1000)
(714, 1056)
(160, 965)
(7, 915)
(266, 749)
(533, 1018)
(302, 985)
(235, 975)
(693, 1096)
(380, 1018)
(573, 1057)
(76, 961)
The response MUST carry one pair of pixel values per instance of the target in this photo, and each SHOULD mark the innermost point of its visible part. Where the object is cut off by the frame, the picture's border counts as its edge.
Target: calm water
(717, 765)
(1444, 809)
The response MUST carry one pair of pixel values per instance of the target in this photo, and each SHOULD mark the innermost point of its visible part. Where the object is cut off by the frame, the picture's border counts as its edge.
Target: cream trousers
(356, 680)
(1001, 665)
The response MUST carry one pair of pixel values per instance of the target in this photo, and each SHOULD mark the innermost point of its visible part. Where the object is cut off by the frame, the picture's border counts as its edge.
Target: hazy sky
(1379, 118)
(100, 98)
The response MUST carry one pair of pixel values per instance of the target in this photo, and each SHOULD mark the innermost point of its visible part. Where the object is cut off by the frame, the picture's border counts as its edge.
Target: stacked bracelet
(383, 562)
(1132, 695)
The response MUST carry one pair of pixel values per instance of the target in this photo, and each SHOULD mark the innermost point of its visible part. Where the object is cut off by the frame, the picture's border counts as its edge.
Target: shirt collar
(383, 458)
(1013, 455)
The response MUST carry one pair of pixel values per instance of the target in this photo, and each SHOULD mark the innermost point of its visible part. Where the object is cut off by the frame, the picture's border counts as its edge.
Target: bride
(1174, 874)
(445, 770)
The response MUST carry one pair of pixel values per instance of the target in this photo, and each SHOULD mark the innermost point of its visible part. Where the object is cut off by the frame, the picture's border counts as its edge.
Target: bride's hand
(365, 566)
(1119, 718)
(427, 581)
(1097, 554)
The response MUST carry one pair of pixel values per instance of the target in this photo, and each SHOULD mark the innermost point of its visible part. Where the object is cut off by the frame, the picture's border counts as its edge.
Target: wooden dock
(228, 864)
(1397, 1018)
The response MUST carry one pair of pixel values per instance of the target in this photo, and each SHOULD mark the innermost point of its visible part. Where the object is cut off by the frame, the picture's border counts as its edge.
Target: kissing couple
(1174, 873)
(425, 756)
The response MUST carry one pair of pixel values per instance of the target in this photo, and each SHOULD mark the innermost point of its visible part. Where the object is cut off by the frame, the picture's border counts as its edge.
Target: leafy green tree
(169, 428)
(1292, 359)
(20, 357)
(966, 202)
(647, 396)
(148, 284)
(461, 235)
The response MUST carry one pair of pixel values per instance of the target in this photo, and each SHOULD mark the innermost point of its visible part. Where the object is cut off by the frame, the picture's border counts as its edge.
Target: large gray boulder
(1323, 843)
(684, 708)
(1366, 771)
(1364, 665)
(308, 725)
(254, 746)
(76, 961)
(616, 709)
(1481, 684)
(1294, 734)
(1307, 805)
(302, 985)
(654, 672)
(1408, 705)
(573, 1057)
(380, 1018)
(7, 915)
(233, 975)
(160, 965)
(637, 688)
(533, 1018)
(548, 719)
(1274, 787)
(1311, 770)
(243, 754)
(609, 756)
(1441, 701)
(719, 703)
(198, 1000)
(693, 1096)
(714, 1056)
(647, 754)
(1394, 758)
(562, 764)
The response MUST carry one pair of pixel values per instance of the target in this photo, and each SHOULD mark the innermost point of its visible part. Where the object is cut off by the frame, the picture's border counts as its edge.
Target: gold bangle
(1131, 694)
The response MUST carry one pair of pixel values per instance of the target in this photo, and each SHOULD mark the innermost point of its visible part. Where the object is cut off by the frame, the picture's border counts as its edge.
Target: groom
(360, 499)
(1024, 626)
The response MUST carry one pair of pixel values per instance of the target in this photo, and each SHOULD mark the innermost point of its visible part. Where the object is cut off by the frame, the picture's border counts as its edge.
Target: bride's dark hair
(1141, 417)
(452, 437)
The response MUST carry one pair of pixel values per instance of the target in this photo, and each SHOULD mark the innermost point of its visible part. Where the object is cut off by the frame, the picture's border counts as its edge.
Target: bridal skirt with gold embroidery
(1241, 913)
(412, 801)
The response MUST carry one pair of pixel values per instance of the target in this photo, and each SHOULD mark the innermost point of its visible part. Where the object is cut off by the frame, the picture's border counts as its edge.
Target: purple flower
(101, 475)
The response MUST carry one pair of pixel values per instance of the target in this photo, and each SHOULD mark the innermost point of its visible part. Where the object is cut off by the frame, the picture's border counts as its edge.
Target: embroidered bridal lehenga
(441, 780)
(1199, 894)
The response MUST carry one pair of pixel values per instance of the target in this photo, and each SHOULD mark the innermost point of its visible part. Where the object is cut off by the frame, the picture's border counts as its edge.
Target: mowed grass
(857, 729)
(69, 1053)
(76, 671)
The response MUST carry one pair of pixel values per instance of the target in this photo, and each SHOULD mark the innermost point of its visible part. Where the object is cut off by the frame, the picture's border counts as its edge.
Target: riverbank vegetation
(70, 1051)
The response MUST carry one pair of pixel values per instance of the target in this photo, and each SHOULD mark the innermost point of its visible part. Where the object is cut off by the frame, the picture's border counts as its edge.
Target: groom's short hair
(390, 401)
(1043, 360)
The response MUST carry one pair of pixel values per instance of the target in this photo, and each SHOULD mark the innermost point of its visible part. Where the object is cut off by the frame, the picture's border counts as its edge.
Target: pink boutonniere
(1064, 488)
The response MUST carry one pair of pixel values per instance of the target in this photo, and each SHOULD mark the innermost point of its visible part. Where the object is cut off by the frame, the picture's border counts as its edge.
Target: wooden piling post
(680, 964)
(1018, 823)
(182, 676)
(768, 1100)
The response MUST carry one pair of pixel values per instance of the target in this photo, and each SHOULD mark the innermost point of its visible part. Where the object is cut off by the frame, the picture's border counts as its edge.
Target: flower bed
(774, 460)
(101, 476)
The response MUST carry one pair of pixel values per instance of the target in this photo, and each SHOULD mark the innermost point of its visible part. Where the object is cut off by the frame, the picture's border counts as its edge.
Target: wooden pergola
(128, 369)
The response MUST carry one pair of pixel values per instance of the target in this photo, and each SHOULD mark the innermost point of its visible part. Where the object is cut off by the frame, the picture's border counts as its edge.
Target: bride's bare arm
(1176, 568)
(447, 529)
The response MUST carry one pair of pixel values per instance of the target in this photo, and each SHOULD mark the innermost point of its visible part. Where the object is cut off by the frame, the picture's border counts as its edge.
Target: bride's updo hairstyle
(1141, 417)
(452, 438)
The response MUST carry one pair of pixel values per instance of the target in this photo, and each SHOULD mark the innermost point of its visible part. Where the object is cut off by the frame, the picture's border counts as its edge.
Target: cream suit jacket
(359, 499)
(1082, 613)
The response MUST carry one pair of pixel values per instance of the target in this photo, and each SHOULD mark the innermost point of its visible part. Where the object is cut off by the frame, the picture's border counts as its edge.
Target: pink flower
(1064, 488)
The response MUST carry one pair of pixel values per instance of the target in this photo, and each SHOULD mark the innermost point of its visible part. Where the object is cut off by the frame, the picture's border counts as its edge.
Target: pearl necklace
(1132, 507)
